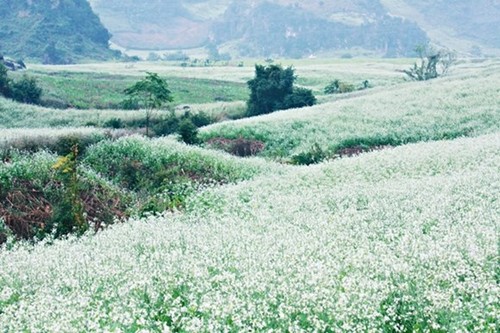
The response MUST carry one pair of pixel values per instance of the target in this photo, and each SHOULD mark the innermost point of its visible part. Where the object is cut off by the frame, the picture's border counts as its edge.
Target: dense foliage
(24, 90)
(272, 89)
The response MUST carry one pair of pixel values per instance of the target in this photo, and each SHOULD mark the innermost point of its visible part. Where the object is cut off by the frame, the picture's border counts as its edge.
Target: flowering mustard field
(398, 240)
(463, 104)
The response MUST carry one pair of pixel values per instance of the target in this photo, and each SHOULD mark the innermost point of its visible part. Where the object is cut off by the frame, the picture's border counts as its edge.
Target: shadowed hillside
(49, 31)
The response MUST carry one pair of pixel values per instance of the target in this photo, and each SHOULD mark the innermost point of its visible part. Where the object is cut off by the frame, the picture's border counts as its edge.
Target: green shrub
(339, 87)
(315, 155)
(299, 98)
(269, 88)
(26, 90)
(333, 87)
(188, 131)
(199, 119)
(114, 123)
(165, 125)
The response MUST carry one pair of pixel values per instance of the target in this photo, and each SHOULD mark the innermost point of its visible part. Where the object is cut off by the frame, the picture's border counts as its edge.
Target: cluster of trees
(272, 89)
(24, 90)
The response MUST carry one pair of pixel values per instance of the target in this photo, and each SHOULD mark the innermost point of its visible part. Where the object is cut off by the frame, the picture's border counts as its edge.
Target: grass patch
(93, 90)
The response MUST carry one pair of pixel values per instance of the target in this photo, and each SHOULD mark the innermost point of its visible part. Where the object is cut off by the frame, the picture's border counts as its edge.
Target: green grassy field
(105, 82)
(94, 90)
(403, 239)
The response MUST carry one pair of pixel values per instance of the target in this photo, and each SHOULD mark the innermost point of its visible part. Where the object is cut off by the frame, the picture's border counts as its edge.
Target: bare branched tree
(432, 64)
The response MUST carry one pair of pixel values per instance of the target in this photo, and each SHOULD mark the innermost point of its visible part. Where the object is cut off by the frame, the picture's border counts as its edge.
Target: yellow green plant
(66, 169)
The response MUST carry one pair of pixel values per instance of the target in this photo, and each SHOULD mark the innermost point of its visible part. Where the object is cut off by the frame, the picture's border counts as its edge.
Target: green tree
(269, 88)
(26, 90)
(272, 89)
(151, 93)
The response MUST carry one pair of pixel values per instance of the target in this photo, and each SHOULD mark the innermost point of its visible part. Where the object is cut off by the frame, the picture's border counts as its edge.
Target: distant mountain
(301, 30)
(52, 31)
(260, 28)
(66, 31)
(298, 28)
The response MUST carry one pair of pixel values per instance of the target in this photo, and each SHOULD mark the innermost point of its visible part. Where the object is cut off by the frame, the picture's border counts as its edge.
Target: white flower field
(404, 238)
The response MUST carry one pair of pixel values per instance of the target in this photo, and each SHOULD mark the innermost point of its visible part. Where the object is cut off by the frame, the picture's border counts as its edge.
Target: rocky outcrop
(11, 64)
